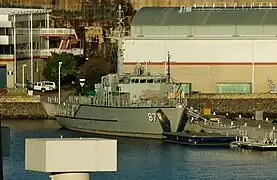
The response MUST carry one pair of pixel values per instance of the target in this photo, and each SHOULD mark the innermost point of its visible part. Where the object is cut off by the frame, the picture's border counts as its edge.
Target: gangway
(192, 113)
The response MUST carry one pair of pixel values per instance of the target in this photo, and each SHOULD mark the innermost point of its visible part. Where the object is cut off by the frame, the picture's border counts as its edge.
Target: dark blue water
(150, 159)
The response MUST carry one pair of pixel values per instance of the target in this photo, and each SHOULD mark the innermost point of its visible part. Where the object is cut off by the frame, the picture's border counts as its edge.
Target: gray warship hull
(121, 121)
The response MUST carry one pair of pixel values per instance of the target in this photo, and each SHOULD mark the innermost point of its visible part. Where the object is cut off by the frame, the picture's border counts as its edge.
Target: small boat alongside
(259, 146)
(268, 144)
(240, 140)
(197, 139)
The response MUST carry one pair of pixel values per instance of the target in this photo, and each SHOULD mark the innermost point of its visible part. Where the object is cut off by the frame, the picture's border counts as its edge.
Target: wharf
(197, 138)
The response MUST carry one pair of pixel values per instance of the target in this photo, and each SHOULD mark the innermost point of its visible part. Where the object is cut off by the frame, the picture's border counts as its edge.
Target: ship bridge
(67, 37)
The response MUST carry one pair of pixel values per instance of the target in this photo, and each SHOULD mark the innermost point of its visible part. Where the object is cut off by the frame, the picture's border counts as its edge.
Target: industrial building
(24, 43)
(224, 50)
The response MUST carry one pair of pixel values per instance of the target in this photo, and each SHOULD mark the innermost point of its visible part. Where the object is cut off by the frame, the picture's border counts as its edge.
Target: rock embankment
(21, 108)
(246, 105)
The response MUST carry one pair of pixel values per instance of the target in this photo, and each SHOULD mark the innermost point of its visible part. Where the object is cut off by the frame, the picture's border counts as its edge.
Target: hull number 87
(152, 117)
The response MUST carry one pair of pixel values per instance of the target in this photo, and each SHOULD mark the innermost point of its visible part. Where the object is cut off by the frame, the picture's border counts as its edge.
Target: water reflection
(140, 159)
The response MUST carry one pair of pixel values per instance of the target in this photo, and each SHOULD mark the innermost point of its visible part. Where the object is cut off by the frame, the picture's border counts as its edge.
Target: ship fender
(164, 121)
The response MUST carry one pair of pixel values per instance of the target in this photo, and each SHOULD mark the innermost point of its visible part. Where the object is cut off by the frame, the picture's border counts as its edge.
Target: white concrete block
(70, 154)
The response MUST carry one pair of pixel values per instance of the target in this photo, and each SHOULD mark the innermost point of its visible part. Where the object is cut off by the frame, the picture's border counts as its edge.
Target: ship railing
(79, 100)
(67, 110)
(117, 102)
(53, 100)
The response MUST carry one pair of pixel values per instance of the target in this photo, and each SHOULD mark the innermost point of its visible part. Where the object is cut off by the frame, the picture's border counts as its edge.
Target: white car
(44, 86)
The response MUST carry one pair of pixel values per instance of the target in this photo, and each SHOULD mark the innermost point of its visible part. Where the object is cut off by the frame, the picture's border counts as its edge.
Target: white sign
(152, 117)
(10, 73)
(82, 84)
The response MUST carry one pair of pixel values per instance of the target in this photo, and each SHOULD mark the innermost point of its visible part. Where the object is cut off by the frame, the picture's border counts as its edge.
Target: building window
(183, 87)
(22, 24)
(36, 67)
(36, 24)
(8, 31)
(42, 24)
(2, 31)
(5, 31)
(233, 87)
(35, 45)
(6, 49)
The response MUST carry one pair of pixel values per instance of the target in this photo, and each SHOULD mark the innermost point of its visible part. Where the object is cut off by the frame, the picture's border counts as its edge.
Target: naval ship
(126, 105)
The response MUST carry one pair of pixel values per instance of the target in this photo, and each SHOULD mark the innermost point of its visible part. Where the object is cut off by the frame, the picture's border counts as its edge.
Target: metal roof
(173, 16)
(11, 11)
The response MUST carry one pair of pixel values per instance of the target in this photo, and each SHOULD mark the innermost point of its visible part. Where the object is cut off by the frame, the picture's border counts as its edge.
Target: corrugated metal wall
(234, 50)
(203, 30)
(204, 78)
(205, 63)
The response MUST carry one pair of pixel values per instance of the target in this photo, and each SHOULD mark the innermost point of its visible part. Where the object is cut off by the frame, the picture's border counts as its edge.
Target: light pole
(60, 64)
(23, 75)
(82, 83)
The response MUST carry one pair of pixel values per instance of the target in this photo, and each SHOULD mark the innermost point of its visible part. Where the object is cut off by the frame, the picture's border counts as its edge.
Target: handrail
(24, 31)
(57, 31)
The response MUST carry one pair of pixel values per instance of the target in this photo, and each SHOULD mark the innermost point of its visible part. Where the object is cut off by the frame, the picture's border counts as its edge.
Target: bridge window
(163, 80)
(150, 80)
(156, 80)
(143, 81)
(134, 80)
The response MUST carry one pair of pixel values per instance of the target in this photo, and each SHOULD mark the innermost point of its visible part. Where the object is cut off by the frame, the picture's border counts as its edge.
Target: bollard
(240, 116)
(253, 117)
(245, 124)
(266, 119)
(232, 123)
(259, 126)
(205, 121)
(227, 114)
(214, 113)
(218, 121)
(273, 128)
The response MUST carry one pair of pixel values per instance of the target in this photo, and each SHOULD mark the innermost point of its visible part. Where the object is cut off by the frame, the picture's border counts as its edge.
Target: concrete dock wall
(22, 107)
(244, 104)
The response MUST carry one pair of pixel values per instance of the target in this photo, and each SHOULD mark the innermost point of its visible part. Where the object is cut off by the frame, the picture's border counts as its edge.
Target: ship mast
(119, 33)
(168, 67)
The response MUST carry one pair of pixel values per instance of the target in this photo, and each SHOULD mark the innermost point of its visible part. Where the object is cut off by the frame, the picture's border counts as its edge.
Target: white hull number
(152, 117)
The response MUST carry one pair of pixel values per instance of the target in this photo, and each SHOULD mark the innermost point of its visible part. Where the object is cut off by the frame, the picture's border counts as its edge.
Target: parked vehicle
(44, 86)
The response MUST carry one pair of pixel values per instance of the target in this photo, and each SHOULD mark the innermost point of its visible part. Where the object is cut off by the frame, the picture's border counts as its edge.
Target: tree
(68, 68)
(93, 69)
